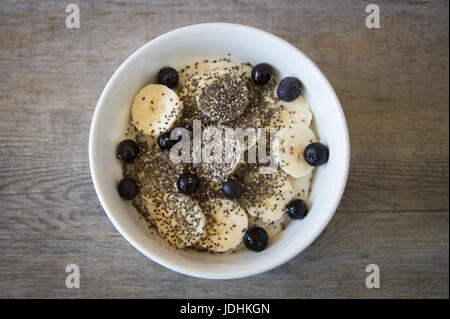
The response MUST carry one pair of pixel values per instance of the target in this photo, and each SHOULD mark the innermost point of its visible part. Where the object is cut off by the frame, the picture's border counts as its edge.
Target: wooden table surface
(393, 84)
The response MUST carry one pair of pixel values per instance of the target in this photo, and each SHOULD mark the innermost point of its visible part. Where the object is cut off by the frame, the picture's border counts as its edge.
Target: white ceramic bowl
(246, 44)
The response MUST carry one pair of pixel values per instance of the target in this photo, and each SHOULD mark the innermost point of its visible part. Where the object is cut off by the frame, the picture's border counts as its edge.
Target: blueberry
(232, 189)
(168, 76)
(127, 150)
(261, 74)
(296, 209)
(289, 89)
(164, 142)
(128, 188)
(256, 239)
(188, 183)
(316, 154)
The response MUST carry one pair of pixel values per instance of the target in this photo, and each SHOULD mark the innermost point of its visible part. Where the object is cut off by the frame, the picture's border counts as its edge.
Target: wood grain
(392, 83)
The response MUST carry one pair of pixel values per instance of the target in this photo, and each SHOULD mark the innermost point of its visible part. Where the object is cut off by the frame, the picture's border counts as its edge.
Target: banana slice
(289, 146)
(221, 153)
(221, 95)
(155, 108)
(180, 221)
(289, 113)
(266, 195)
(300, 185)
(225, 226)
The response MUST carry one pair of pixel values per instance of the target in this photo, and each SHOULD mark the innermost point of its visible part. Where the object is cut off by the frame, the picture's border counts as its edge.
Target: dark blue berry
(289, 89)
(128, 188)
(256, 239)
(164, 142)
(261, 74)
(168, 76)
(316, 154)
(127, 150)
(296, 209)
(188, 183)
(232, 189)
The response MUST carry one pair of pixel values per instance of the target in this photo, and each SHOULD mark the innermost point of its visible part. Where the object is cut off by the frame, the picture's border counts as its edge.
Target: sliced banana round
(300, 185)
(221, 153)
(225, 225)
(180, 221)
(155, 108)
(289, 147)
(222, 95)
(289, 113)
(266, 195)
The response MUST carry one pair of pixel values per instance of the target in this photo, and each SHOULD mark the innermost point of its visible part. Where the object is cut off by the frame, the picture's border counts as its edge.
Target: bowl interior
(181, 47)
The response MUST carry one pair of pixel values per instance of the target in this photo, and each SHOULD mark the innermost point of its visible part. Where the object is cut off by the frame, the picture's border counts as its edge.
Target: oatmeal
(224, 193)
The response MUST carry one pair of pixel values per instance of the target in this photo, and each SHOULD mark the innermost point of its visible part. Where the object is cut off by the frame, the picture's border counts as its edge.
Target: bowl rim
(208, 274)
